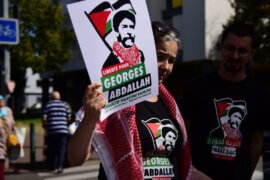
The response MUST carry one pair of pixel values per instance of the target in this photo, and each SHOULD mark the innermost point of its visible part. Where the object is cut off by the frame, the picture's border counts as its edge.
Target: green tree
(45, 41)
(257, 14)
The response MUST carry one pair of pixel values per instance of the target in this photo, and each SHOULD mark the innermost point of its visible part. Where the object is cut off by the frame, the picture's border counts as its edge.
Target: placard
(117, 44)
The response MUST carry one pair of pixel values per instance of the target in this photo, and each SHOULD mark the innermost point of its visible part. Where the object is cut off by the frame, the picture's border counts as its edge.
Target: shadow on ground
(18, 168)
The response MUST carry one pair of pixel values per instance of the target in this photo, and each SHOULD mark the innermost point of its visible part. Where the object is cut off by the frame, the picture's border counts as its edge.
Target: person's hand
(199, 175)
(93, 101)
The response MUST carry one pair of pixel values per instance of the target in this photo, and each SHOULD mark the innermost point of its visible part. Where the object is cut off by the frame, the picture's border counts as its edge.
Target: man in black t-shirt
(226, 111)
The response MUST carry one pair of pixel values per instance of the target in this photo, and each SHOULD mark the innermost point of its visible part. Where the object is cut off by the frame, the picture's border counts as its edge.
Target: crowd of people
(214, 131)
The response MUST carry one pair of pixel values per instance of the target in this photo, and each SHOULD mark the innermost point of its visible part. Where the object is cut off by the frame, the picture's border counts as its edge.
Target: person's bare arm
(199, 175)
(70, 110)
(44, 121)
(10, 119)
(79, 147)
(256, 144)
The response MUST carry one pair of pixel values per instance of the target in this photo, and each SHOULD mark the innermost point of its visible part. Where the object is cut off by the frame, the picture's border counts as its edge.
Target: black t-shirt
(223, 115)
(161, 139)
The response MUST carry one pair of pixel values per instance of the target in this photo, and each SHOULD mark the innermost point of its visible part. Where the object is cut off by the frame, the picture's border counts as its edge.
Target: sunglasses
(163, 28)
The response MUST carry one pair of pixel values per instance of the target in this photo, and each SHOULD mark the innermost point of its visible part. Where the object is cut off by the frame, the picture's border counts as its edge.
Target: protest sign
(117, 44)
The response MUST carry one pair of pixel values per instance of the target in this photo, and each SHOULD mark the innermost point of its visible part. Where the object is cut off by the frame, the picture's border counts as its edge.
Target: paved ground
(88, 171)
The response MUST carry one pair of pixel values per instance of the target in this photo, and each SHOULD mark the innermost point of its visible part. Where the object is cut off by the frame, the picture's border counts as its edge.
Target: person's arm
(44, 116)
(199, 175)
(79, 147)
(69, 113)
(256, 144)
(69, 119)
(44, 121)
(10, 119)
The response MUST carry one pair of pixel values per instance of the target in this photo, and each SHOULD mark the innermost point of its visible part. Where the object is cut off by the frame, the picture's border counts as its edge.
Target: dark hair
(163, 32)
(165, 130)
(119, 16)
(236, 109)
(242, 30)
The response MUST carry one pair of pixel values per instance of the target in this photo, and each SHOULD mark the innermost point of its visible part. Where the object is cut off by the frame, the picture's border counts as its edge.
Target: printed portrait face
(126, 32)
(164, 134)
(170, 139)
(235, 120)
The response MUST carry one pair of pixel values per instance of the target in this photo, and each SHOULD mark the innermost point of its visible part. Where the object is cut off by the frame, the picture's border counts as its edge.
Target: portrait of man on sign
(116, 52)
(125, 49)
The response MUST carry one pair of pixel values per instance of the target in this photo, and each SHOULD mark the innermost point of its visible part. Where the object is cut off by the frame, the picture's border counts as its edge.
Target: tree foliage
(257, 14)
(45, 43)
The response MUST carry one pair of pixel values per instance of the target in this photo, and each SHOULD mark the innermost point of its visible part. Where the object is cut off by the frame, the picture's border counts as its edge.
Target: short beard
(233, 70)
(232, 125)
(168, 147)
(229, 66)
(123, 41)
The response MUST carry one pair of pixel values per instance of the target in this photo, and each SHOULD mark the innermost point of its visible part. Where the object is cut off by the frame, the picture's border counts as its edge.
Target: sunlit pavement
(87, 171)
(258, 173)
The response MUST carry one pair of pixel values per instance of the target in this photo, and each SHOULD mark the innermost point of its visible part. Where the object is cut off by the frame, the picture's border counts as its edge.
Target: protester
(126, 142)
(6, 114)
(8, 123)
(225, 111)
(56, 115)
(3, 148)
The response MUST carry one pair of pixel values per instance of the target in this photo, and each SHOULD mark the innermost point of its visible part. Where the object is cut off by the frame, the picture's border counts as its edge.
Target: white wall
(201, 25)
(217, 13)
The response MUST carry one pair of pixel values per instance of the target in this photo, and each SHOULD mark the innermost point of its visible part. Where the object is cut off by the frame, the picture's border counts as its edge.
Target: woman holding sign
(144, 141)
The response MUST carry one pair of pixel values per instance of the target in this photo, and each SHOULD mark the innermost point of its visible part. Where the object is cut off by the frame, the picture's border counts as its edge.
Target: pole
(32, 145)
(5, 71)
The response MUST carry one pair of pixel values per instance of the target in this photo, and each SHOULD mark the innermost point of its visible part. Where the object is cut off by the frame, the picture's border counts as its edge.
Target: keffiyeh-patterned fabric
(131, 55)
(117, 142)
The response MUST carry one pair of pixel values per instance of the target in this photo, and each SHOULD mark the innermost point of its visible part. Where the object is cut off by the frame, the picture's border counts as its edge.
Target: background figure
(56, 115)
(6, 114)
(3, 148)
(8, 122)
(226, 111)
